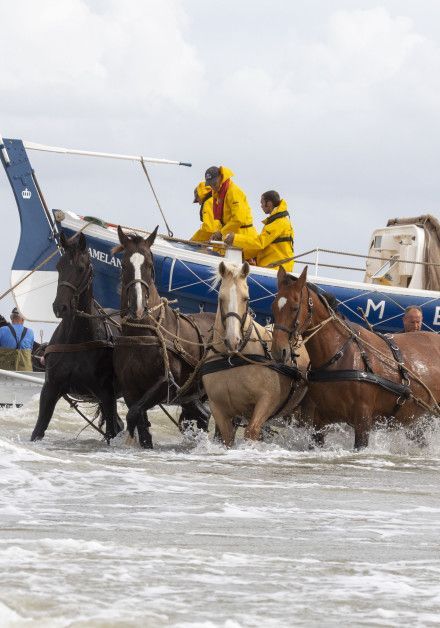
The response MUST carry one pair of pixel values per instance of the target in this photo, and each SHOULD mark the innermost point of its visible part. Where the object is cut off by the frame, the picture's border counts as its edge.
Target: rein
(320, 374)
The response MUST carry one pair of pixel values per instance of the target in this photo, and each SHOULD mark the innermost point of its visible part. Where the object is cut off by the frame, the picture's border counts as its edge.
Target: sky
(333, 103)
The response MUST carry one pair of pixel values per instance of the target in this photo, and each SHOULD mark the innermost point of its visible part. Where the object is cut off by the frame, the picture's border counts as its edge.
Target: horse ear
(151, 238)
(245, 270)
(123, 237)
(222, 269)
(281, 276)
(82, 242)
(302, 279)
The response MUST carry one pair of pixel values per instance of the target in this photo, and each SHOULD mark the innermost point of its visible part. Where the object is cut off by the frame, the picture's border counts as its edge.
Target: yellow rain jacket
(237, 214)
(274, 243)
(209, 225)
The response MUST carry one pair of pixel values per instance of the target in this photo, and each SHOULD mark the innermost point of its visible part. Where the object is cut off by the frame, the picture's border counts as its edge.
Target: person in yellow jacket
(275, 242)
(203, 196)
(230, 205)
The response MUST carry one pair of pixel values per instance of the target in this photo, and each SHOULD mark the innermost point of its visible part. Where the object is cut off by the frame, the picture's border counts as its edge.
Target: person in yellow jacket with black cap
(203, 196)
(230, 205)
(275, 242)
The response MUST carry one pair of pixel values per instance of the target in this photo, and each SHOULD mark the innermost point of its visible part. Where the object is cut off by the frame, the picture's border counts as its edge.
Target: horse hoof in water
(36, 436)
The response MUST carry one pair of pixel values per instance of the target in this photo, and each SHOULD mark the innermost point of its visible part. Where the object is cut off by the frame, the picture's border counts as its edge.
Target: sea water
(191, 534)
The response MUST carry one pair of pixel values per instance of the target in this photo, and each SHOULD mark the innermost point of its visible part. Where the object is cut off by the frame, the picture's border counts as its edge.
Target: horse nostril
(60, 310)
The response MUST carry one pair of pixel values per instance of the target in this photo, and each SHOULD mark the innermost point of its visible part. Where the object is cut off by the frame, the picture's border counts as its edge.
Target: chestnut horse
(237, 375)
(159, 348)
(356, 376)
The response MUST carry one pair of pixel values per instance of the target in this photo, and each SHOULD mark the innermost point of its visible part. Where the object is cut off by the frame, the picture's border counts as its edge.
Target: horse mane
(328, 296)
(233, 269)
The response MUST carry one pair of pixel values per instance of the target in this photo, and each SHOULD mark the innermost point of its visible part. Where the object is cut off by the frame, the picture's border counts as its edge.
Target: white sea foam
(193, 534)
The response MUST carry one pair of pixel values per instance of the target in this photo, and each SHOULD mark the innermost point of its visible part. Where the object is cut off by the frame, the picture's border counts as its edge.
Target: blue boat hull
(190, 283)
(182, 274)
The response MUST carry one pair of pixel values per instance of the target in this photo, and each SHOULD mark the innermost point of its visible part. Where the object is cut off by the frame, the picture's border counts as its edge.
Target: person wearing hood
(203, 196)
(275, 242)
(230, 205)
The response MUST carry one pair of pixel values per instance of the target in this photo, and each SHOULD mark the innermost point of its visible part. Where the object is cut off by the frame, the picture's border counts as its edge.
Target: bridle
(242, 320)
(81, 288)
(142, 282)
(295, 331)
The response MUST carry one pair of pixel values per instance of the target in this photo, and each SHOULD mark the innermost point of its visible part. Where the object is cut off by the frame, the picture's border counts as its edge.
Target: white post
(4, 151)
(316, 262)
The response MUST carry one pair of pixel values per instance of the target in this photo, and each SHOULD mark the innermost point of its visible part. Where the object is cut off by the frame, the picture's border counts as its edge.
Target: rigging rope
(170, 233)
(40, 265)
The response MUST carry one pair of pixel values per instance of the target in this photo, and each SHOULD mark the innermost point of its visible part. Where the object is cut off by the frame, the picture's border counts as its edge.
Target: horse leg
(136, 414)
(362, 429)
(310, 418)
(417, 435)
(48, 400)
(224, 424)
(318, 439)
(262, 411)
(195, 411)
(109, 414)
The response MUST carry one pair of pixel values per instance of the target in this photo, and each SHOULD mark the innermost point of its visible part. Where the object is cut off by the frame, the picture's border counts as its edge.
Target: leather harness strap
(315, 376)
(227, 362)
(80, 346)
(154, 341)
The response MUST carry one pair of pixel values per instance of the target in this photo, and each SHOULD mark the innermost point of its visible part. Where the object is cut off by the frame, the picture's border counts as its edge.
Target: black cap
(212, 173)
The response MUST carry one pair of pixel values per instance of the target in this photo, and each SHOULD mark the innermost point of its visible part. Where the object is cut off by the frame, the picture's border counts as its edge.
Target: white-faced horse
(239, 376)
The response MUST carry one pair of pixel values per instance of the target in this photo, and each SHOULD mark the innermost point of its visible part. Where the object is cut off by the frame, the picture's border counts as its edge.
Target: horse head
(75, 274)
(291, 313)
(233, 303)
(137, 272)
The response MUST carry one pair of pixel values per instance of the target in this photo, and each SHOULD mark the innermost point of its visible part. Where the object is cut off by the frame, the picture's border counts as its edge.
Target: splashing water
(191, 534)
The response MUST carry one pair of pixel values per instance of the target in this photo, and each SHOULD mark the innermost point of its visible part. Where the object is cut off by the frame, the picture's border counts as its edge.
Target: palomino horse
(159, 347)
(244, 386)
(78, 358)
(357, 376)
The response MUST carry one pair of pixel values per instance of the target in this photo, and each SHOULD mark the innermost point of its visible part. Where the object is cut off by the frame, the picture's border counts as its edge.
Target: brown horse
(159, 347)
(357, 376)
(237, 376)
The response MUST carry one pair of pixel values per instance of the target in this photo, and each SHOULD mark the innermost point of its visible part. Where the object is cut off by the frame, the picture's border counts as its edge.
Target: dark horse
(79, 357)
(356, 376)
(159, 348)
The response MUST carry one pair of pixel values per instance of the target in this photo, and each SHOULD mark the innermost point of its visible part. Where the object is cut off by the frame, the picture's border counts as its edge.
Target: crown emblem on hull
(26, 193)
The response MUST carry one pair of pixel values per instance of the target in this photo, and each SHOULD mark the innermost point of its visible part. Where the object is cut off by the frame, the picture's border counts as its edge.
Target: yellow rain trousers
(274, 243)
(237, 214)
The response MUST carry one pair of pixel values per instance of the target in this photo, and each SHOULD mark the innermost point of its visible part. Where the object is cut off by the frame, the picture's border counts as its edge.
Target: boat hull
(185, 275)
